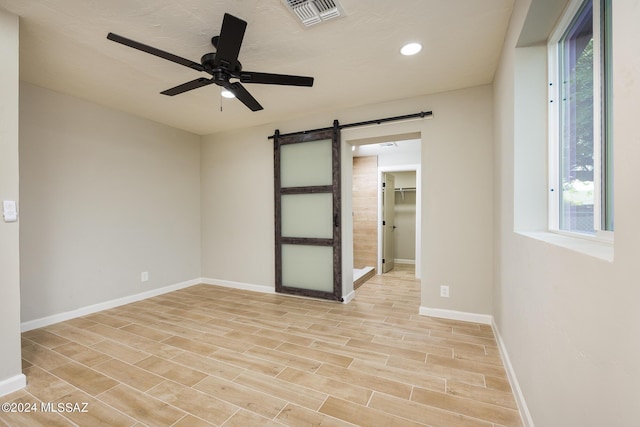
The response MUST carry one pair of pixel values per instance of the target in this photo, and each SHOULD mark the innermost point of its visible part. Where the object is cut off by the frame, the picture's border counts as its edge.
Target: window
(581, 147)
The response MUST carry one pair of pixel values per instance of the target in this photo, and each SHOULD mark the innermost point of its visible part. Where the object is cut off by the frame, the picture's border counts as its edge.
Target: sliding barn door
(307, 214)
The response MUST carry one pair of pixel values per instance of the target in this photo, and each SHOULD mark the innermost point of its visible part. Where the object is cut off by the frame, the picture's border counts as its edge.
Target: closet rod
(421, 114)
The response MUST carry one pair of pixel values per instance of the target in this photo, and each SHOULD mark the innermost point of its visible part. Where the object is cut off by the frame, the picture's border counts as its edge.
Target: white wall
(407, 153)
(105, 196)
(570, 320)
(405, 216)
(404, 179)
(11, 377)
(238, 240)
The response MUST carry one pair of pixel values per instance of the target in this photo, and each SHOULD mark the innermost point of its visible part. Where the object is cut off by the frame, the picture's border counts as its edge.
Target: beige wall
(238, 208)
(457, 202)
(570, 320)
(10, 364)
(105, 196)
(238, 239)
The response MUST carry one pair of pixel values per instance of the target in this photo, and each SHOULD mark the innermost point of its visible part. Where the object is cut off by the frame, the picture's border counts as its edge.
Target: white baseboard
(347, 298)
(405, 261)
(485, 319)
(12, 384)
(83, 311)
(238, 285)
(90, 309)
(261, 288)
(527, 421)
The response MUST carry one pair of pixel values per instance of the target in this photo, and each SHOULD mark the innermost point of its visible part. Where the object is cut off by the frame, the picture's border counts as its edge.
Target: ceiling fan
(223, 65)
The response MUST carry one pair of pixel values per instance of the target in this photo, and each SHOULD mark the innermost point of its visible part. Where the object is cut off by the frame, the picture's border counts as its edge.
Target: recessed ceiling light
(227, 94)
(411, 49)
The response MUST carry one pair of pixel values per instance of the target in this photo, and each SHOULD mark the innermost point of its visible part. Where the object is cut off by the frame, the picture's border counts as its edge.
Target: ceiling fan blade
(243, 95)
(275, 79)
(231, 35)
(154, 51)
(193, 84)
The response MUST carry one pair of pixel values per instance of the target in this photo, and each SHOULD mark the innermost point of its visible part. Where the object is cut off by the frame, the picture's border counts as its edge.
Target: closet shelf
(403, 189)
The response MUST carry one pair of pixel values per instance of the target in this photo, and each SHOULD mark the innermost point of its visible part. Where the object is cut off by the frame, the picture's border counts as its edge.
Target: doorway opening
(397, 234)
(386, 204)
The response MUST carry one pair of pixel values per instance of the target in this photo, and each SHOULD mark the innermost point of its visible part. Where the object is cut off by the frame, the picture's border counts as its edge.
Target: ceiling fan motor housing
(208, 61)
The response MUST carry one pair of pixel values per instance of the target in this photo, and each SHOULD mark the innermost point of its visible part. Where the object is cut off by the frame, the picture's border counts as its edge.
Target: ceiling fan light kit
(223, 65)
(226, 94)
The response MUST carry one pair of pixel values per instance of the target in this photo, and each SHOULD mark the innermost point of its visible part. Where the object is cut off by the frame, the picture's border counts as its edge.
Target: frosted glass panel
(307, 215)
(305, 164)
(308, 267)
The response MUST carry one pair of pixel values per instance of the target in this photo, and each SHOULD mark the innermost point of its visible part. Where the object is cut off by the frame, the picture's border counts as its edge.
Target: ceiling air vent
(311, 12)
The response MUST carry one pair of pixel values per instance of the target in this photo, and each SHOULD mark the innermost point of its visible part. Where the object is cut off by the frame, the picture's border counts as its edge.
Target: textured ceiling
(355, 59)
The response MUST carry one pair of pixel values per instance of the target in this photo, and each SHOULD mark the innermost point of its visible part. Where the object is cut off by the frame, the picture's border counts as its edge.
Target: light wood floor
(209, 355)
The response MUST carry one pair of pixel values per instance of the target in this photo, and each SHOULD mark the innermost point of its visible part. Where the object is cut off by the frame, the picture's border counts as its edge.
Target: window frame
(602, 143)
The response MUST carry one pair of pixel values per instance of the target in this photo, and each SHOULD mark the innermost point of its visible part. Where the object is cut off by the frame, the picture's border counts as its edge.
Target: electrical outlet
(444, 291)
(144, 276)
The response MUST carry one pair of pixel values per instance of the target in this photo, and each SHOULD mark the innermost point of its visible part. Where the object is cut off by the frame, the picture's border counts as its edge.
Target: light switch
(9, 210)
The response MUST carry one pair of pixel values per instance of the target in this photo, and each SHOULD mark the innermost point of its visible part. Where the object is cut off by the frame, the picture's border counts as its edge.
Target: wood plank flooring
(209, 355)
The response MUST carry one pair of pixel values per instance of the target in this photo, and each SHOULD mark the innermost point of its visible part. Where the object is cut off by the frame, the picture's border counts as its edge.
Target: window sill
(594, 248)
